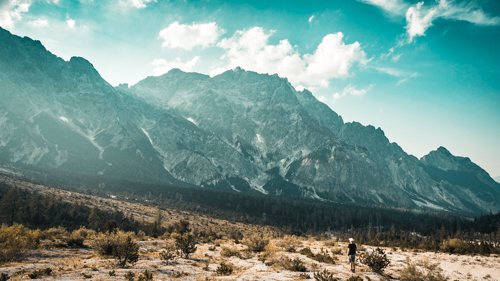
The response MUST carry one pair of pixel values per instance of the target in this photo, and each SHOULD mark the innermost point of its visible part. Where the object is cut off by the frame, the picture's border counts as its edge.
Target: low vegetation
(177, 244)
(325, 275)
(426, 272)
(118, 244)
(377, 260)
(16, 242)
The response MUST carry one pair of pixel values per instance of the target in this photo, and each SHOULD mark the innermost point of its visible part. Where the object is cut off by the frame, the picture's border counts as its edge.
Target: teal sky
(427, 73)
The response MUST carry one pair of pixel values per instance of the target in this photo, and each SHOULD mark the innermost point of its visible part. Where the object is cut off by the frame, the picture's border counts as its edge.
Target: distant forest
(38, 211)
(369, 224)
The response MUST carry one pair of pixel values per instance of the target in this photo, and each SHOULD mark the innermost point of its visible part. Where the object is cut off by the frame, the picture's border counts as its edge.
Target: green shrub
(184, 243)
(75, 239)
(377, 261)
(307, 252)
(39, 273)
(224, 269)
(236, 235)
(169, 252)
(304, 276)
(289, 243)
(454, 246)
(119, 245)
(324, 275)
(54, 233)
(322, 256)
(16, 242)
(130, 276)
(428, 272)
(256, 242)
(293, 265)
(145, 276)
(178, 274)
(230, 252)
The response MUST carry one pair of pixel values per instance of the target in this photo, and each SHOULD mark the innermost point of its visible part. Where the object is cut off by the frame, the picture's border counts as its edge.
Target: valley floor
(84, 263)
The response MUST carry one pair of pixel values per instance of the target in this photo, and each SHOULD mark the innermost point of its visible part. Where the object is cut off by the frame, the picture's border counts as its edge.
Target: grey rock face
(64, 115)
(238, 131)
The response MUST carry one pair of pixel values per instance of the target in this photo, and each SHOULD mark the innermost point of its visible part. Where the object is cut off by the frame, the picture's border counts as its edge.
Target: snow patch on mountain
(89, 134)
(147, 135)
(427, 204)
(192, 121)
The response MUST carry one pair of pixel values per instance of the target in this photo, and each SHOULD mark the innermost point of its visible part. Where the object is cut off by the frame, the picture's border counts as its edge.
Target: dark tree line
(35, 210)
(371, 224)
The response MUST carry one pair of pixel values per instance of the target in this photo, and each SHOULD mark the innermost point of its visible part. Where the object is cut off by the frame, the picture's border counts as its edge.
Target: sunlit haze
(427, 73)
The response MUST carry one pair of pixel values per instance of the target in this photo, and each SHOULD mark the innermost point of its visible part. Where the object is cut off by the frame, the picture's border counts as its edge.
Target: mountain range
(239, 131)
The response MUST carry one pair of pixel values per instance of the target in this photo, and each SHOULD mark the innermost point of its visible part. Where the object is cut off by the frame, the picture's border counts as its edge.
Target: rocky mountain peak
(442, 158)
(239, 130)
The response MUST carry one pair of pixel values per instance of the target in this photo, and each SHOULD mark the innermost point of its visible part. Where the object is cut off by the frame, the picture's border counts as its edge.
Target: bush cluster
(224, 269)
(256, 242)
(322, 256)
(325, 275)
(427, 272)
(293, 265)
(168, 253)
(39, 273)
(377, 260)
(16, 242)
(230, 252)
(289, 243)
(119, 245)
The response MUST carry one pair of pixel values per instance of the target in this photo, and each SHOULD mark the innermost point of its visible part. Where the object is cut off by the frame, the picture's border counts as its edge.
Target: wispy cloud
(395, 58)
(187, 37)
(139, 4)
(311, 19)
(394, 7)
(162, 66)
(351, 90)
(250, 50)
(42, 22)
(392, 71)
(403, 75)
(420, 17)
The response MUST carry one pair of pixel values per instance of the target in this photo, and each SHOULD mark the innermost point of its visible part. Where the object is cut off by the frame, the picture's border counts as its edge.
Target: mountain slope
(239, 131)
(309, 153)
(63, 115)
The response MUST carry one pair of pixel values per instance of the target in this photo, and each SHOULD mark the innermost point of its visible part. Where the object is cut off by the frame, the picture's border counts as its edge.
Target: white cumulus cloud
(162, 66)
(250, 50)
(418, 20)
(70, 22)
(310, 19)
(12, 11)
(187, 37)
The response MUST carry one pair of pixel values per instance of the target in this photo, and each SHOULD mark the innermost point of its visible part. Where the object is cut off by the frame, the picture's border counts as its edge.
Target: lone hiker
(351, 252)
